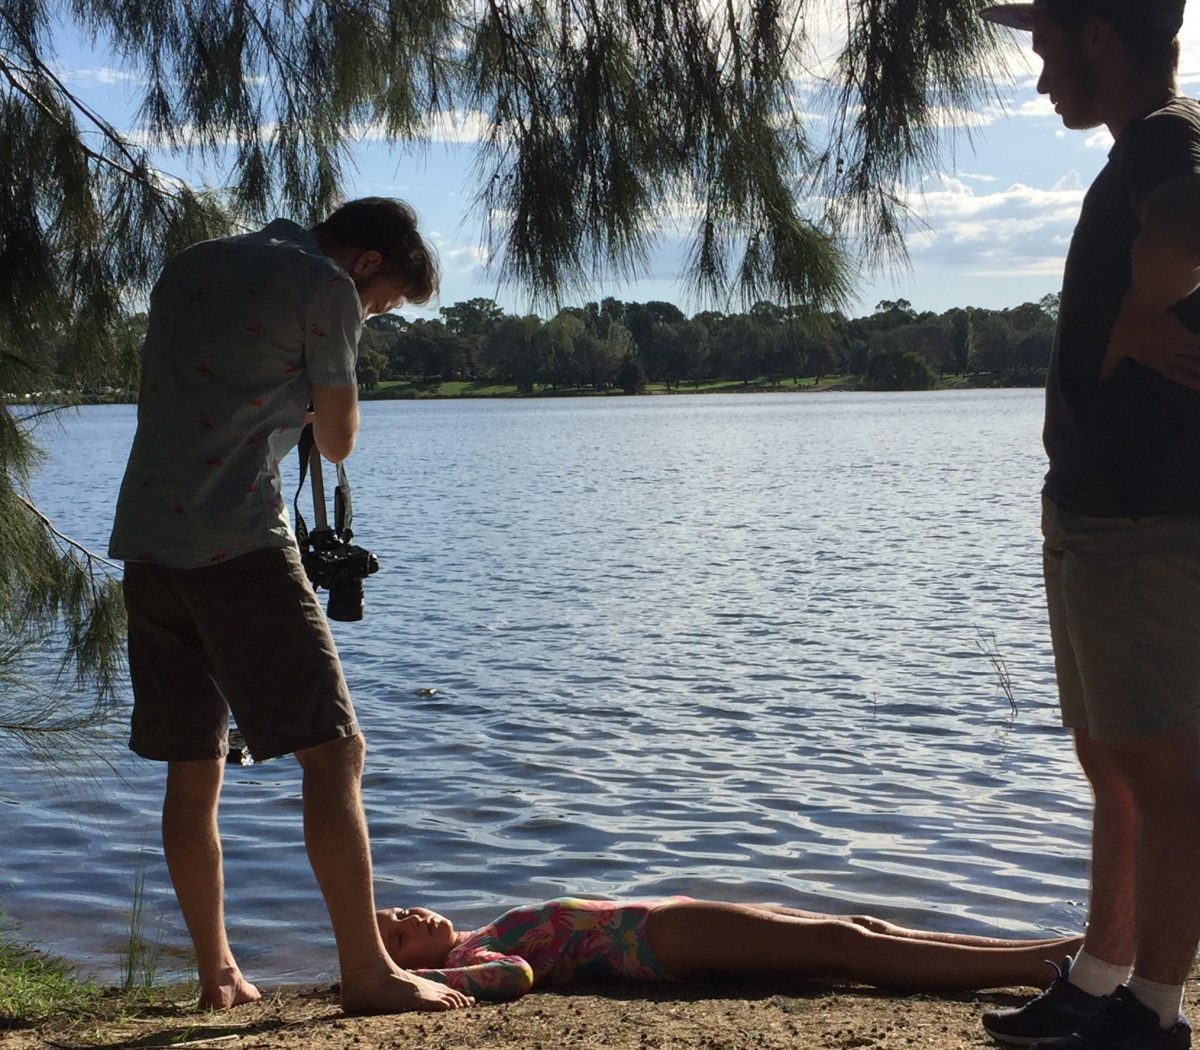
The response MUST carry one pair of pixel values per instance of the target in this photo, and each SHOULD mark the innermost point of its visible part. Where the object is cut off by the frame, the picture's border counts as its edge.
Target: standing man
(1121, 520)
(244, 333)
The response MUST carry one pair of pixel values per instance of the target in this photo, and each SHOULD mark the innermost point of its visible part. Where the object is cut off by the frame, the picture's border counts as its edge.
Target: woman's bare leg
(883, 926)
(696, 939)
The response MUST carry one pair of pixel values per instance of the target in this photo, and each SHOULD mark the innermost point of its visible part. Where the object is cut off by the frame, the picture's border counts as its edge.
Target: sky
(993, 227)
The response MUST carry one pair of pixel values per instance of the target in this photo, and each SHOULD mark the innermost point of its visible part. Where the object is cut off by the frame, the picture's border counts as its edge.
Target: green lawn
(736, 386)
(401, 389)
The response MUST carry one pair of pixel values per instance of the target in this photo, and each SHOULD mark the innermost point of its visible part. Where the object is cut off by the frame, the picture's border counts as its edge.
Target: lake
(717, 645)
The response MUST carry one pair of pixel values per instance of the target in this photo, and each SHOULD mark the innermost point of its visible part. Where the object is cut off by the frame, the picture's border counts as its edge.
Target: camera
(332, 562)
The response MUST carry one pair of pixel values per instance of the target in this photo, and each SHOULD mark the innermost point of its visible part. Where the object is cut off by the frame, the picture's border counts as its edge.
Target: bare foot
(399, 992)
(228, 988)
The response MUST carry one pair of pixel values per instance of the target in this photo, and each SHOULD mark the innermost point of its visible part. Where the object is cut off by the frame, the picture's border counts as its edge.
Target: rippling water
(724, 646)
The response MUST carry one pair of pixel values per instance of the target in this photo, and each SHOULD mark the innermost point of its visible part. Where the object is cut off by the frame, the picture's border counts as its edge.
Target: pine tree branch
(32, 416)
(139, 173)
(268, 39)
(91, 556)
(42, 70)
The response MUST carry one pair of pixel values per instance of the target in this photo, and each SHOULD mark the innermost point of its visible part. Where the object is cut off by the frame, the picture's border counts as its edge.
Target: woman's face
(416, 938)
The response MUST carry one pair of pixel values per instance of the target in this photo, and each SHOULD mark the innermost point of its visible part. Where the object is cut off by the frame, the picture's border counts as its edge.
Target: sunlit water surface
(724, 646)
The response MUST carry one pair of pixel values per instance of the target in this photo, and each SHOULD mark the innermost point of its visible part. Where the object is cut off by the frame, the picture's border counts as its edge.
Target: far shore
(429, 389)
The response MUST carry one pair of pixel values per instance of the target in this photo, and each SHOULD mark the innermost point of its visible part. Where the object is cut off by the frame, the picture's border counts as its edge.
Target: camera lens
(346, 601)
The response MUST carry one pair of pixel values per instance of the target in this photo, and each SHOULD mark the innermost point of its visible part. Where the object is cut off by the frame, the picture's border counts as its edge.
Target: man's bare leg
(1164, 775)
(192, 845)
(335, 832)
(1109, 935)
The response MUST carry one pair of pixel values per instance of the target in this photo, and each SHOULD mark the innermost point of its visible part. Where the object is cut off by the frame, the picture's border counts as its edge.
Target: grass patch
(139, 963)
(34, 988)
(45, 994)
(38, 990)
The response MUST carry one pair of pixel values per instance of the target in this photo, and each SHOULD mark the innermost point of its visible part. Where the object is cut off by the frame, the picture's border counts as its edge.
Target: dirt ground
(608, 1017)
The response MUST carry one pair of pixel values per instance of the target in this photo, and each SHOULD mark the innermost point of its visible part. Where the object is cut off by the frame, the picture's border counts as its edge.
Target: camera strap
(343, 507)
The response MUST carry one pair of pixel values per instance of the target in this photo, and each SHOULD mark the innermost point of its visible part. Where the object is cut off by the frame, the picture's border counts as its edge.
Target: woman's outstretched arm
(500, 978)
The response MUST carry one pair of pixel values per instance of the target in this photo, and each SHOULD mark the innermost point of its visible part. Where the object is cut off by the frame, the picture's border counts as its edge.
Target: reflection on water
(716, 645)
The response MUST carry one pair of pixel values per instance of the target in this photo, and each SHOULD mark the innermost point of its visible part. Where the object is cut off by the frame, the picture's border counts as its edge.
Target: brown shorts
(1124, 602)
(245, 636)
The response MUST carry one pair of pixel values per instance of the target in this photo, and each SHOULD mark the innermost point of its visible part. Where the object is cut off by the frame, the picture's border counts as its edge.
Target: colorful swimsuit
(566, 939)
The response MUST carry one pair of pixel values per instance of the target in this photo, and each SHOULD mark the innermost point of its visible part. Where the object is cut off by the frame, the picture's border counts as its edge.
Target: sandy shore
(607, 1017)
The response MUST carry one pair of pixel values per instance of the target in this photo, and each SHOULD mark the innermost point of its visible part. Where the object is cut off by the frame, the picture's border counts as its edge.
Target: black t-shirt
(1128, 446)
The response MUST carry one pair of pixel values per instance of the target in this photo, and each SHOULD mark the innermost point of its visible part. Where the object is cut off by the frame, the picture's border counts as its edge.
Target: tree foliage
(600, 118)
(57, 608)
(585, 348)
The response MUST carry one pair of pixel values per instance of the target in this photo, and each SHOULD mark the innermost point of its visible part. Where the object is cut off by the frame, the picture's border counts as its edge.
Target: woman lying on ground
(680, 939)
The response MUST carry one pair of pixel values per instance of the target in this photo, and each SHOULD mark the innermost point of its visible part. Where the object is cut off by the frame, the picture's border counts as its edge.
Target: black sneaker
(1124, 1024)
(1060, 1010)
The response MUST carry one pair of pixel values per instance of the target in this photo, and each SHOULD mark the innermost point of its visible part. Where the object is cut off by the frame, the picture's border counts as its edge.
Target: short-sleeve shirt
(239, 330)
(1127, 446)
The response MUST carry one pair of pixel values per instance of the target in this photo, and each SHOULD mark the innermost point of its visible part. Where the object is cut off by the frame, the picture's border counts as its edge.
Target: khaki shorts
(1124, 601)
(245, 636)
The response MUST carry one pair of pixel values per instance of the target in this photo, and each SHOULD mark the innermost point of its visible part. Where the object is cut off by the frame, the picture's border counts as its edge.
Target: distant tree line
(619, 346)
(613, 345)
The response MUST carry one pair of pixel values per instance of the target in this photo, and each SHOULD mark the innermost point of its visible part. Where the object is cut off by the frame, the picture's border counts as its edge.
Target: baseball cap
(1166, 15)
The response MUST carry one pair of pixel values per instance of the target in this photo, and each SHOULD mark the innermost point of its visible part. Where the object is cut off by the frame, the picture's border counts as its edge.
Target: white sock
(1166, 1000)
(1095, 976)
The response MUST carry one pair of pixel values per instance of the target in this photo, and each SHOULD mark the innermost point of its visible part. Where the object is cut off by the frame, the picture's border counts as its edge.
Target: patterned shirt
(239, 330)
(559, 941)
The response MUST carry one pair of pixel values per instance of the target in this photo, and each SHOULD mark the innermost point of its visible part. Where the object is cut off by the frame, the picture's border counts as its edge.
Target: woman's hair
(388, 226)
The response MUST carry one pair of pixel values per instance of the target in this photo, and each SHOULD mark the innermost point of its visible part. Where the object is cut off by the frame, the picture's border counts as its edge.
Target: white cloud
(1016, 230)
(454, 126)
(459, 126)
(186, 135)
(1189, 44)
(1035, 107)
(1070, 183)
(462, 257)
(956, 117)
(469, 262)
(1051, 266)
(99, 75)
